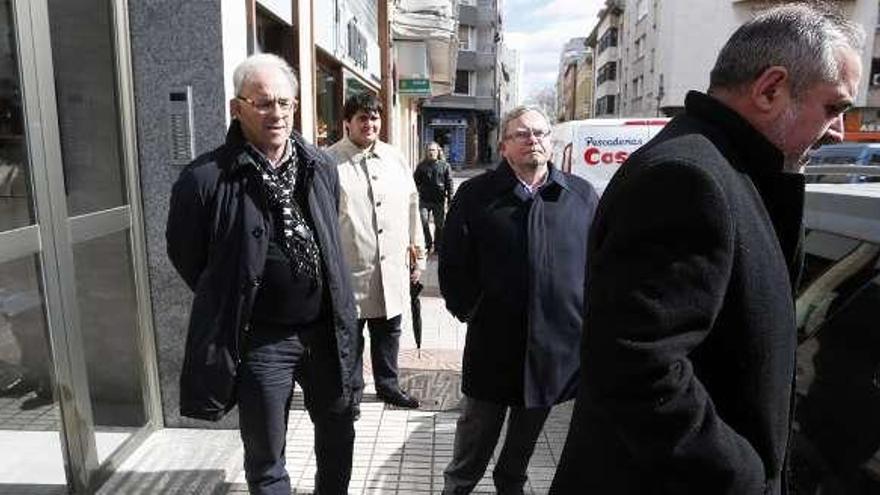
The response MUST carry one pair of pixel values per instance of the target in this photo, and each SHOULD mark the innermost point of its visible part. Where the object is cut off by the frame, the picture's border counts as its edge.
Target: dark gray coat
(689, 352)
(215, 239)
(512, 266)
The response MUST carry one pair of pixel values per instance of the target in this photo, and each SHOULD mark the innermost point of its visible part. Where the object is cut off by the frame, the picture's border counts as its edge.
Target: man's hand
(414, 275)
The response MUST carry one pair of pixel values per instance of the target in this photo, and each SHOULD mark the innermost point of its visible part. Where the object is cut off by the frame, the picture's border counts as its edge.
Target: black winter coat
(512, 266)
(689, 352)
(433, 180)
(216, 240)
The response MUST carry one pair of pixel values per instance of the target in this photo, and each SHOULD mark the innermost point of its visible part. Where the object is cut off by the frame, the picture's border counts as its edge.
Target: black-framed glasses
(523, 135)
(268, 104)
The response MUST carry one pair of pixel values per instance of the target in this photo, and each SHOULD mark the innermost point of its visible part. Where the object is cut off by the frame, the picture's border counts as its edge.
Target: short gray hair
(515, 113)
(246, 69)
(803, 38)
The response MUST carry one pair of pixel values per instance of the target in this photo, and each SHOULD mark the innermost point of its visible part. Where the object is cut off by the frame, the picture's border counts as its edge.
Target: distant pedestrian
(381, 239)
(511, 265)
(253, 231)
(433, 177)
(689, 345)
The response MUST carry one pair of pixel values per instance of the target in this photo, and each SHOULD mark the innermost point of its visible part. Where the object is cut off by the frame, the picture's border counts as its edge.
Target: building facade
(574, 87)
(425, 49)
(604, 41)
(465, 122)
(510, 80)
(658, 62)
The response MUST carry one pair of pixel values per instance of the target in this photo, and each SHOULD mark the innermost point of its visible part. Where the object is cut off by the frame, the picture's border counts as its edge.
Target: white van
(595, 148)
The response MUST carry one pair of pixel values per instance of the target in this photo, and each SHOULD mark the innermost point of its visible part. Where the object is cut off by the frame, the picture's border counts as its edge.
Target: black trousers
(384, 346)
(438, 211)
(274, 358)
(476, 434)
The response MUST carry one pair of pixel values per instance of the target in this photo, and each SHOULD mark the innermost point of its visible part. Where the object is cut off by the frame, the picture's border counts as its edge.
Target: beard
(793, 161)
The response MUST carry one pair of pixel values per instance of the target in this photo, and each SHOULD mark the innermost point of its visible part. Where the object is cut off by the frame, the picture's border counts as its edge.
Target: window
(608, 40)
(464, 82)
(466, 38)
(607, 72)
(640, 46)
(605, 105)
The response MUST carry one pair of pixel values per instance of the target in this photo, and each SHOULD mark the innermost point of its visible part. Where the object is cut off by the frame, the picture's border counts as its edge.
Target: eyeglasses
(524, 135)
(266, 106)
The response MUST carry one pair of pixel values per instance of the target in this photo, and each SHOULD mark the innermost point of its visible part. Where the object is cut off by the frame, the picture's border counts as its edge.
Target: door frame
(55, 234)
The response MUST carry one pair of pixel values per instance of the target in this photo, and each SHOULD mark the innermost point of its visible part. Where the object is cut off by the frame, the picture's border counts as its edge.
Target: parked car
(824, 165)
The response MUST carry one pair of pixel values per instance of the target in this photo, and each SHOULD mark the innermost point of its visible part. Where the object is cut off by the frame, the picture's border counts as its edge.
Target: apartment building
(574, 86)
(668, 47)
(465, 122)
(604, 41)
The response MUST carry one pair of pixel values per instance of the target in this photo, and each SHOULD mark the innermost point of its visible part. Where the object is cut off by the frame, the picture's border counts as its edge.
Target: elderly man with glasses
(253, 231)
(512, 267)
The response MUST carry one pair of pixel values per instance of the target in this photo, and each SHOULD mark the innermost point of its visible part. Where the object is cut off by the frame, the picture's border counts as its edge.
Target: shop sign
(420, 87)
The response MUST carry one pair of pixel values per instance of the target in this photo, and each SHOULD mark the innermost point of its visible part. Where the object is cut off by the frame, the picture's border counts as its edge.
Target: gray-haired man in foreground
(253, 231)
(688, 356)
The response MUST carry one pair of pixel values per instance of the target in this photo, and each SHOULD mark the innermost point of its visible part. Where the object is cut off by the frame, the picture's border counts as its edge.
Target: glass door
(30, 422)
(86, 237)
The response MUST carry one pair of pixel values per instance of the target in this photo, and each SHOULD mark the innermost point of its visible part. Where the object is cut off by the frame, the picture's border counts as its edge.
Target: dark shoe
(17, 388)
(399, 398)
(36, 402)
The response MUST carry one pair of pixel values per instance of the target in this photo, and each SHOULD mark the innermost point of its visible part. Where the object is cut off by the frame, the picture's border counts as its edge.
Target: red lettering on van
(593, 156)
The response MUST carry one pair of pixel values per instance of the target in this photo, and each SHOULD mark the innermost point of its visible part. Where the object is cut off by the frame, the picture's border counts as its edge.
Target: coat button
(378, 204)
(381, 230)
(246, 328)
(257, 232)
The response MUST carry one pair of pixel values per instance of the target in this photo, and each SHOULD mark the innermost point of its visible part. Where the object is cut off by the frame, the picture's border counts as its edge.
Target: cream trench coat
(378, 221)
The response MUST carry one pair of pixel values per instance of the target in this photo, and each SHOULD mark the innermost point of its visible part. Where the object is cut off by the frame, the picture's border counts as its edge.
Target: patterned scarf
(296, 237)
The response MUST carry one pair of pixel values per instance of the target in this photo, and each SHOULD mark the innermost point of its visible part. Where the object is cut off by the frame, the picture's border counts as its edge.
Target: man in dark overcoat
(511, 265)
(688, 356)
(433, 178)
(253, 231)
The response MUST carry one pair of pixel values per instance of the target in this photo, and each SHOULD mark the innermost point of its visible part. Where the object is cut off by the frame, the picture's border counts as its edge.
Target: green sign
(414, 87)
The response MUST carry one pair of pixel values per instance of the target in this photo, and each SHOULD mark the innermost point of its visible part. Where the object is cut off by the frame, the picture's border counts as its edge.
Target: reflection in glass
(29, 415)
(16, 207)
(88, 117)
(836, 446)
(109, 323)
(329, 118)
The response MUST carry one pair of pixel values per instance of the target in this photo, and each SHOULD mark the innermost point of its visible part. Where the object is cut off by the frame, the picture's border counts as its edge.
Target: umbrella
(415, 288)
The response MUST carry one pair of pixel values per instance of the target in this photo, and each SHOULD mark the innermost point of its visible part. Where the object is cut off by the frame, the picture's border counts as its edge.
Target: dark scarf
(294, 234)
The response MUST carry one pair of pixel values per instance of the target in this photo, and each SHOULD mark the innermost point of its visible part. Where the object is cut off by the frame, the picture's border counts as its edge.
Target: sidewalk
(396, 451)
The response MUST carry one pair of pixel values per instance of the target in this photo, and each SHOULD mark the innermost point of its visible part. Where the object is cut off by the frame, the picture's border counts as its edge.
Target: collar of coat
(756, 155)
(239, 159)
(355, 153)
(505, 180)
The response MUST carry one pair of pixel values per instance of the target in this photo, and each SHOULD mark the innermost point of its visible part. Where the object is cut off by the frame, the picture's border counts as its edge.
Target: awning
(426, 34)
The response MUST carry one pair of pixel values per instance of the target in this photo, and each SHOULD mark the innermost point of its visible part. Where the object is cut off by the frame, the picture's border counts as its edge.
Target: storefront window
(329, 109)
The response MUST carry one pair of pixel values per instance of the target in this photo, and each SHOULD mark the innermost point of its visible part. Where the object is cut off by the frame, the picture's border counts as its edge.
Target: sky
(538, 30)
